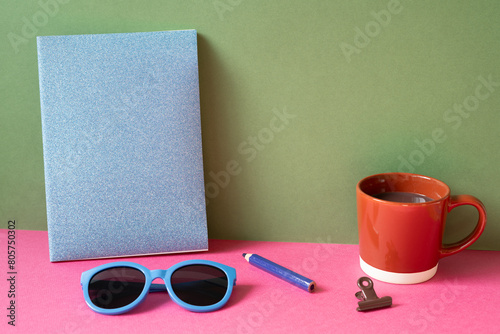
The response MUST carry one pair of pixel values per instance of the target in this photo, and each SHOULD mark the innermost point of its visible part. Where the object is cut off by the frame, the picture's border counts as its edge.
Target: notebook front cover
(122, 144)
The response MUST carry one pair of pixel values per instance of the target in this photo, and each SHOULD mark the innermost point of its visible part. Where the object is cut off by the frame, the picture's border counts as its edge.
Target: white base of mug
(397, 278)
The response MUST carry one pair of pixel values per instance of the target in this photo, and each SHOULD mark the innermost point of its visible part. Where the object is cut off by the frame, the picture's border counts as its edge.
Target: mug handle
(450, 249)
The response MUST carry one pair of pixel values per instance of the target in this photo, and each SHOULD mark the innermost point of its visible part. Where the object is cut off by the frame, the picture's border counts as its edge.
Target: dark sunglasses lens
(116, 287)
(199, 285)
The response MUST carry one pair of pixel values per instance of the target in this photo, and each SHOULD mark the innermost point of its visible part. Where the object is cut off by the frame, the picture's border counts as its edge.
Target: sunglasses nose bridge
(158, 274)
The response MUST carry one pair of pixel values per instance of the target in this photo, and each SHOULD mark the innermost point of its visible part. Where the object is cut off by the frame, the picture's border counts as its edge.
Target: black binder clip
(369, 299)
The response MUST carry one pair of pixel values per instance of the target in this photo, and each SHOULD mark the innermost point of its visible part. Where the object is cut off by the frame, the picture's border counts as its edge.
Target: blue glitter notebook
(122, 144)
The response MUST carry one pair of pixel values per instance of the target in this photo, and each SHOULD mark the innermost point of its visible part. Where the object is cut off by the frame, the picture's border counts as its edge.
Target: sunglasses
(196, 285)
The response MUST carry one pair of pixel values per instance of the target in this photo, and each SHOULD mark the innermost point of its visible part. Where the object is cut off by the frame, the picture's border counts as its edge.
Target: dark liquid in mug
(403, 197)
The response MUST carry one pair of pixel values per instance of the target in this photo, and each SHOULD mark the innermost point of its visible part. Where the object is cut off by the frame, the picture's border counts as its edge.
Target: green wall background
(299, 100)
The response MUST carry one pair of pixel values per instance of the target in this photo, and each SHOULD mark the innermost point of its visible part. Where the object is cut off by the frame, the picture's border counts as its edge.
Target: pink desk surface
(463, 297)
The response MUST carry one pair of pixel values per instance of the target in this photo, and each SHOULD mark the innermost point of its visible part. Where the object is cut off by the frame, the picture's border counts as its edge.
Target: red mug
(401, 220)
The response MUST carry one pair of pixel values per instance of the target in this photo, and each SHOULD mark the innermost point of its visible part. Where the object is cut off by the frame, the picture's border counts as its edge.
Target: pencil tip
(244, 254)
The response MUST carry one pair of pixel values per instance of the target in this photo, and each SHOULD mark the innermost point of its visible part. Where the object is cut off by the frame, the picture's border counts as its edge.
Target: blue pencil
(281, 272)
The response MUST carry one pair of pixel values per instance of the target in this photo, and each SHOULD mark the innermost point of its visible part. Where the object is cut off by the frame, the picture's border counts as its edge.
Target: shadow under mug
(401, 242)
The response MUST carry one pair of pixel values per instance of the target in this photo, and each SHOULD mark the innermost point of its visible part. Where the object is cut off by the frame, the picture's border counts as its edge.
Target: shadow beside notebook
(218, 123)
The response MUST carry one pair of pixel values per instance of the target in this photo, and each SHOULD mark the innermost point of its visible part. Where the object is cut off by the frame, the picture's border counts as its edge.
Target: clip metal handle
(368, 298)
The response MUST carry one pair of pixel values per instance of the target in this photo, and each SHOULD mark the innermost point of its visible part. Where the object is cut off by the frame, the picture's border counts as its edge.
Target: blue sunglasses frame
(151, 275)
